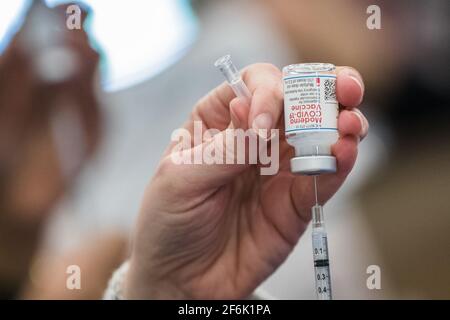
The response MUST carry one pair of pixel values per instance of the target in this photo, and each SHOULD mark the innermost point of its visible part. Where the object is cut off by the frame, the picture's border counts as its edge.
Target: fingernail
(262, 125)
(364, 123)
(352, 74)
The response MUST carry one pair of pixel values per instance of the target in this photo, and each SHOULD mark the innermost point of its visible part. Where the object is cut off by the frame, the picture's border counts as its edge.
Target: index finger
(264, 83)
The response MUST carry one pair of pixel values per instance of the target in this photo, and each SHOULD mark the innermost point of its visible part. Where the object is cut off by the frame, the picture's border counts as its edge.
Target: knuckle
(269, 67)
(165, 167)
(274, 90)
(262, 67)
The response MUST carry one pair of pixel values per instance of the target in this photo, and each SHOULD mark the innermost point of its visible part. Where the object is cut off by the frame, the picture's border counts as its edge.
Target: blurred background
(152, 61)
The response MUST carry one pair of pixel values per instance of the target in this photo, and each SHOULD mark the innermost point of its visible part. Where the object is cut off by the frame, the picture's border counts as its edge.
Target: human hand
(217, 231)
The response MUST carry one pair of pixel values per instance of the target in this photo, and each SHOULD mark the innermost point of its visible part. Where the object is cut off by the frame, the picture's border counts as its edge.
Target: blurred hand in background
(49, 127)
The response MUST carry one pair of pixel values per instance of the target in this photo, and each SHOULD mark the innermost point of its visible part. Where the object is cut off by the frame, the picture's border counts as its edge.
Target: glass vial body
(311, 115)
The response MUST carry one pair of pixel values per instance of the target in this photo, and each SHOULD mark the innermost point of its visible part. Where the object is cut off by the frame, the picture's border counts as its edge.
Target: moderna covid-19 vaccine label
(310, 103)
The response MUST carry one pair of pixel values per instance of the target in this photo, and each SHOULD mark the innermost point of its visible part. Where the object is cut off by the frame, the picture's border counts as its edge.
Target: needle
(315, 189)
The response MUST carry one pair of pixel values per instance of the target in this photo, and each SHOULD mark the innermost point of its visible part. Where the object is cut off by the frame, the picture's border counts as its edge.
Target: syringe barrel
(240, 89)
(320, 254)
(321, 264)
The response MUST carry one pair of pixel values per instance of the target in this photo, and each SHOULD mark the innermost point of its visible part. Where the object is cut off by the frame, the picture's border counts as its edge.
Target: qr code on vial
(330, 89)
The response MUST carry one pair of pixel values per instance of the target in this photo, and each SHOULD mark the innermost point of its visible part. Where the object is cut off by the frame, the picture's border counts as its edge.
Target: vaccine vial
(311, 114)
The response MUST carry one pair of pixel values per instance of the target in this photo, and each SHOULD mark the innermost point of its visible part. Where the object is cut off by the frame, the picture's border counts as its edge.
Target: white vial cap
(313, 165)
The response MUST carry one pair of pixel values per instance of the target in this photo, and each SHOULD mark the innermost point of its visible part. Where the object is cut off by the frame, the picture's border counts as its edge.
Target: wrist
(140, 284)
(115, 291)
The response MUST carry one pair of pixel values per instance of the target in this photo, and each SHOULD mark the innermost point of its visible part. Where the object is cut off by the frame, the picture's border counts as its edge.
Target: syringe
(320, 251)
(319, 235)
(233, 77)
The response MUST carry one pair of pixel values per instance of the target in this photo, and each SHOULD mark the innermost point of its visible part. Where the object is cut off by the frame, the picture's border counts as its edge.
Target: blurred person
(96, 257)
(49, 126)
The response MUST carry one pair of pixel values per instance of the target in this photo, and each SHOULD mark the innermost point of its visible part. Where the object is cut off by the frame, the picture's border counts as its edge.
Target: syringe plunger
(233, 77)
